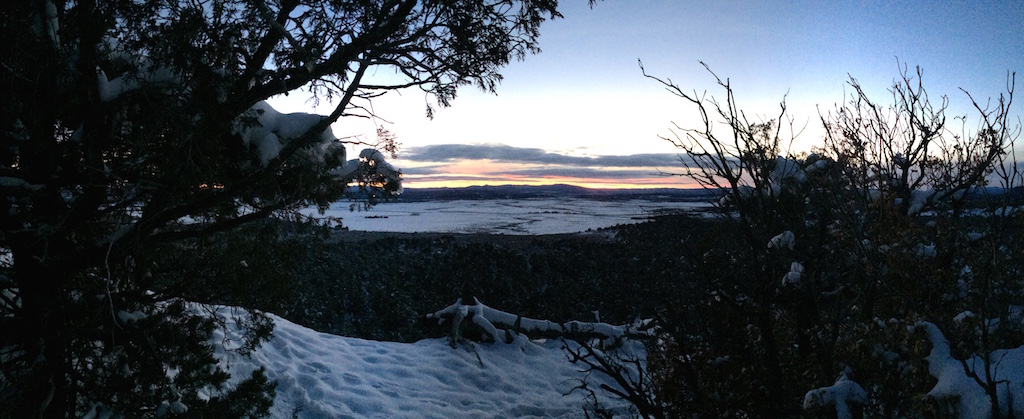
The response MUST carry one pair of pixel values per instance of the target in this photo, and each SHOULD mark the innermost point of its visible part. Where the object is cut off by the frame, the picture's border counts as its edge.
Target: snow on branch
(839, 396)
(371, 162)
(47, 24)
(966, 384)
(787, 172)
(271, 130)
(796, 270)
(15, 182)
(491, 319)
(785, 240)
(267, 132)
(148, 76)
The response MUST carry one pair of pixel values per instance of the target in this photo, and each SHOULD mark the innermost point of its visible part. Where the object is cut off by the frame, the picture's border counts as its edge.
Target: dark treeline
(381, 285)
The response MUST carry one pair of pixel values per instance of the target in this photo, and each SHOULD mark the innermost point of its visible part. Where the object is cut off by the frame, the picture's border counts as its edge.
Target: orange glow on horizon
(464, 173)
(462, 182)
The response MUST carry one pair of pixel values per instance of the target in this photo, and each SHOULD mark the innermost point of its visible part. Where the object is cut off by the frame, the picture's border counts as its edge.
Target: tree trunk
(40, 324)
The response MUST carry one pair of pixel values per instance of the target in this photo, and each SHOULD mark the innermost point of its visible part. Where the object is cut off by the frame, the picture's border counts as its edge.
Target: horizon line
(592, 186)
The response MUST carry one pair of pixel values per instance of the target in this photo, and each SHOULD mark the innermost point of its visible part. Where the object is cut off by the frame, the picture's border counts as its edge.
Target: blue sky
(559, 116)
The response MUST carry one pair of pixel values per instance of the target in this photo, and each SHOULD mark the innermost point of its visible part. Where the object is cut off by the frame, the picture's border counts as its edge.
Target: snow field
(502, 216)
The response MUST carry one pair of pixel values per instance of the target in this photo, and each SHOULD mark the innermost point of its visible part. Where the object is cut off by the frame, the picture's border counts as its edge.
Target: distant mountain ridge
(978, 196)
(550, 191)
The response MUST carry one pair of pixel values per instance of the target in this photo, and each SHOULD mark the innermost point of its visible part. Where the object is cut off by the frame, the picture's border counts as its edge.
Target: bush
(825, 262)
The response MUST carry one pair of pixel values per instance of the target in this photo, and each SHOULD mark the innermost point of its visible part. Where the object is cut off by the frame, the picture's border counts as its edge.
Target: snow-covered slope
(326, 376)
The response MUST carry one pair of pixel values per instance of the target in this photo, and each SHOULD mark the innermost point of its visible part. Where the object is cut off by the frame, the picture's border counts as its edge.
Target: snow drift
(320, 375)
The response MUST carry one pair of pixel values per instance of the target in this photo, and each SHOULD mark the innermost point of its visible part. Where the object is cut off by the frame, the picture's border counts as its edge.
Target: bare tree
(833, 240)
(746, 163)
(906, 152)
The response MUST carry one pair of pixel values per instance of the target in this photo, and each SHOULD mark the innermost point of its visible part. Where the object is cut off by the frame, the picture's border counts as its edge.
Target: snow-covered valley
(506, 216)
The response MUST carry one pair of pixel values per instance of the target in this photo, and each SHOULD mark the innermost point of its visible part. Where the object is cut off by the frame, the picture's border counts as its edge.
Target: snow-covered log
(491, 320)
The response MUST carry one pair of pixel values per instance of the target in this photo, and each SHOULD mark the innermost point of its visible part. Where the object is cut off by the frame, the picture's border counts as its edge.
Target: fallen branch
(490, 320)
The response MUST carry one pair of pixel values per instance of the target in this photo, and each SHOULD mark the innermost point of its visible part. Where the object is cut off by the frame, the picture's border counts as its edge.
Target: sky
(581, 112)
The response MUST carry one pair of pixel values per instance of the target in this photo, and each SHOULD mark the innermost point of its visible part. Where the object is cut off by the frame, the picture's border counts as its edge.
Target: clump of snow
(374, 158)
(838, 395)
(796, 270)
(900, 161)
(371, 160)
(819, 163)
(787, 171)
(957, 381)
(785, 240)
(175, 408)
(743, 191)
(274, 129)
(918, 199)
(320, 375)
(110, 90)
(873, 195)
(47, 24)
(963, 316)
(133, 316)
(926, 250)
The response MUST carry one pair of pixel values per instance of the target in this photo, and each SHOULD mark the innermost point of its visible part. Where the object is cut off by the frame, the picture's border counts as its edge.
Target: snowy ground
(326, 376)
(505, 216)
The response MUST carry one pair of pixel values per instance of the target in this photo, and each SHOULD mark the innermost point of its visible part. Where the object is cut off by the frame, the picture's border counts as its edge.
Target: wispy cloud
(510, 154)
(584, 173)
(466, 164)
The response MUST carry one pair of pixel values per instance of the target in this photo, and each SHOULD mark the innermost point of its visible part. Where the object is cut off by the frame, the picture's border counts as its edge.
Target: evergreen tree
(129, 127)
